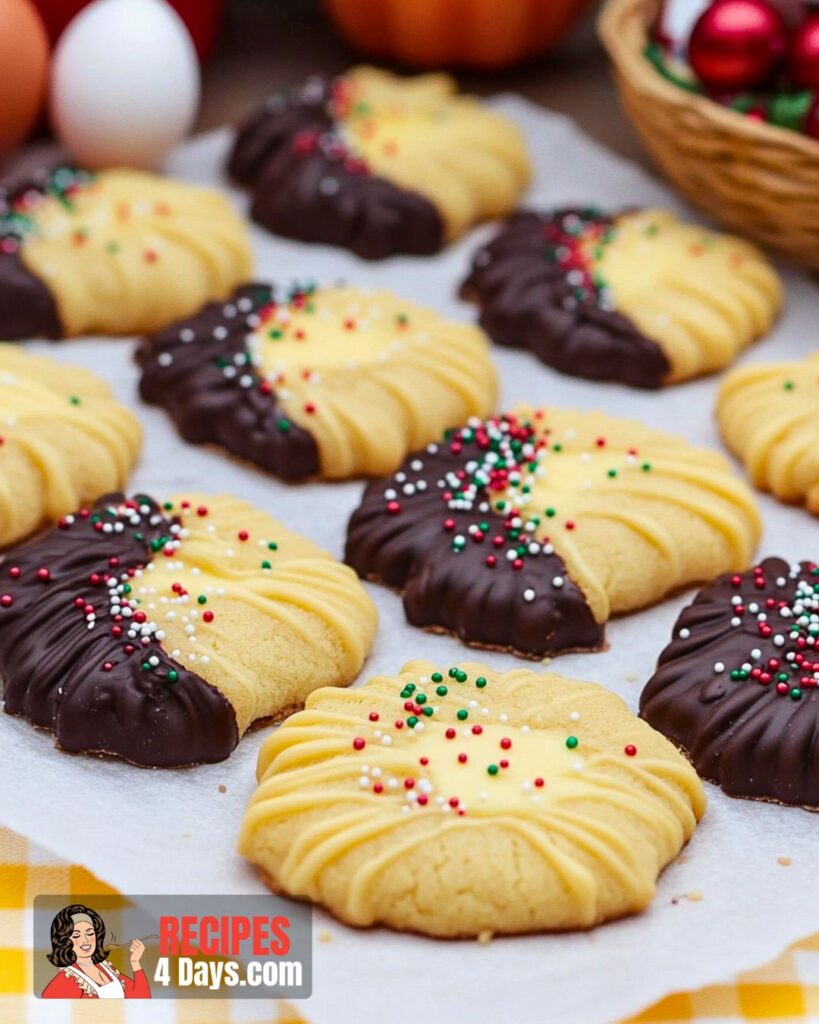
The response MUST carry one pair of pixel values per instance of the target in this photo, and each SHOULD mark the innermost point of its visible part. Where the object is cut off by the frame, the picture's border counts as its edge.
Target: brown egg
(23, 70)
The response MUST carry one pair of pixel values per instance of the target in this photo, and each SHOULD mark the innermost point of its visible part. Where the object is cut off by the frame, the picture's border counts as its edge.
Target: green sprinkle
(266, 564)
(480, 682)
(492, 769)
(796, 693)
(612, 473)
(173, 675)
(442, 691)
(74, 400)
(550, 512)
(284, 425)
(463, 714)
(646, 467)
(428, 711)
(571, 742)
(437, 677)
(412, 721)
(789, 385)
(272, 546)
(202, 599)
(421, 698)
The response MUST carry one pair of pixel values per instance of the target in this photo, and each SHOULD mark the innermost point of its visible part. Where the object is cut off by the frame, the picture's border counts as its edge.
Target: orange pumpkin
(472, 33)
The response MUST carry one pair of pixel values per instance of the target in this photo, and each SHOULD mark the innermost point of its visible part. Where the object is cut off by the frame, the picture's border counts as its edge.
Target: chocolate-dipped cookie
(372, 162)
(528, 531)
(119, 252)
(160, 633)
(736, 688)
(328, 382)
(637, 297)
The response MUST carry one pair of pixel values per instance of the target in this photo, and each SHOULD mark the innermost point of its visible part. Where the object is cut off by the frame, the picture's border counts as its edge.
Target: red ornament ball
(803, 54)
(737, 44)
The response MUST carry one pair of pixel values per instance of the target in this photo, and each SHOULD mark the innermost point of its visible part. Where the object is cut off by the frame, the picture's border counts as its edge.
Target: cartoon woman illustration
(78, 949)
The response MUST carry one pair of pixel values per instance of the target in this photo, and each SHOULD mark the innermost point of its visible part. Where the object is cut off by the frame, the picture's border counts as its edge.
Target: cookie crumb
(695, 896)
(222, 788)
(784, 861)
(632, 677)
(325, 936)
(484, 937)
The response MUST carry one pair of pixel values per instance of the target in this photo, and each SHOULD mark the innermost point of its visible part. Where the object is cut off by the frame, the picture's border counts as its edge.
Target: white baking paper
(174, 832)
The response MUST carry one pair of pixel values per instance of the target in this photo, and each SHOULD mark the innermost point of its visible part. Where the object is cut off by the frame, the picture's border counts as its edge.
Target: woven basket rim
(645, 78)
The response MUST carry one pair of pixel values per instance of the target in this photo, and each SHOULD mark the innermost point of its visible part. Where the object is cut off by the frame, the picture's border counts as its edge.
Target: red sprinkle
(359, 743)
(630, 750)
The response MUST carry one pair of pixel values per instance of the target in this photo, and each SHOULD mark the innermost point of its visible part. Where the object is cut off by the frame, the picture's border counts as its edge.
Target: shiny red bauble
(737, 45)
(803, 55)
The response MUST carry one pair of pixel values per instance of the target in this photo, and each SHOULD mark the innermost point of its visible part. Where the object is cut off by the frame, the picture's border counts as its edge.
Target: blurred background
(545, 49)
(268, 43)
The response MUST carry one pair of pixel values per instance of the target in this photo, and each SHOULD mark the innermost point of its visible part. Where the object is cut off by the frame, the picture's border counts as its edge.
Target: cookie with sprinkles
(118, 252)
(64, 440)
(415, 800)
(159, 633)
(638, 297)
(528, 531)
(736, 688)
(318, 382)
(374, 162)
(768, 415)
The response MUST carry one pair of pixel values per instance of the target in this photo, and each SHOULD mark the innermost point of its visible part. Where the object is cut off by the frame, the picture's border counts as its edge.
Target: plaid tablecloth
(782, 991)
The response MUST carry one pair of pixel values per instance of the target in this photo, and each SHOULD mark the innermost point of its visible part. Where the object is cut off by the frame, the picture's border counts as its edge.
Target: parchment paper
(176, 832)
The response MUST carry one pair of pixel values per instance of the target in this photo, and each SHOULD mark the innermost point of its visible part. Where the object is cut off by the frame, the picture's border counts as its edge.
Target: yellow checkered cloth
(783, 991)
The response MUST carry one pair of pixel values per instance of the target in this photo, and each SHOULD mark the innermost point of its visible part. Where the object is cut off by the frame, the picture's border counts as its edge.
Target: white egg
(125, 83)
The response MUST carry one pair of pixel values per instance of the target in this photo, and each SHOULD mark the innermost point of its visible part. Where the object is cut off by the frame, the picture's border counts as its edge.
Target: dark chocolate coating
(316, 192)
(742, 733)
(526, 301)
(27, 307)
(51, 663)
(209, 407)
(458, 593)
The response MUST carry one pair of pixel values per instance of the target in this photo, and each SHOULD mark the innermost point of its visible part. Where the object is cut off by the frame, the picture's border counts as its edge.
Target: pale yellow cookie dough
(551, 807)
(702, 296)
(64, 441)
(635, 513)
(419, 133)
(372, 376)
(132, 252)
(768, 415)
(258, 611)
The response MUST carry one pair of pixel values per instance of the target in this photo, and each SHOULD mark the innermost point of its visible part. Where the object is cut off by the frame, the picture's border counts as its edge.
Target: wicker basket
(760, 180)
